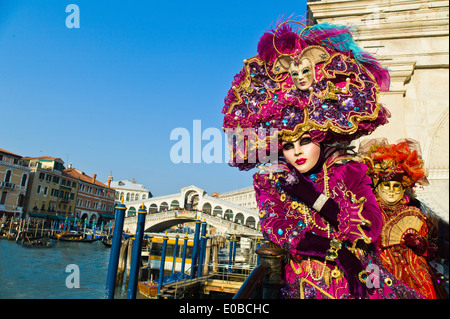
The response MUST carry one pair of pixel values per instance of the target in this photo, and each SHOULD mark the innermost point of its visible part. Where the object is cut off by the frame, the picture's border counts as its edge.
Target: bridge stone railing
(223, 225)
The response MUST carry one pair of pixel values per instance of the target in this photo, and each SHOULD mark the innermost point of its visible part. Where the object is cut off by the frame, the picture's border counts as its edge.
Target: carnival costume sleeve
(362, 220)
(280, 225)
(304, 190)
(356, 218)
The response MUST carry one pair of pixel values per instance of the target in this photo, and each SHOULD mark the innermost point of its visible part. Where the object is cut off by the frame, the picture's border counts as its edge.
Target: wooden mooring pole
(115, 251)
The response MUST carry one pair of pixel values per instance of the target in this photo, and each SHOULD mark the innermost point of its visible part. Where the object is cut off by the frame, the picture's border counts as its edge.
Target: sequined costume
(402, 261)
(314, 80)
(285, 222)
(404, 238)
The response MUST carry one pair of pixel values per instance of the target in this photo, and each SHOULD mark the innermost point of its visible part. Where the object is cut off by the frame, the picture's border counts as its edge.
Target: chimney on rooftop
(134, 182)
(110, 178)
(94, 176)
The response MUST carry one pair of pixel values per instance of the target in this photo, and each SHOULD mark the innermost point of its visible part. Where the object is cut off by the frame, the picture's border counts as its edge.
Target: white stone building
(244, 197)
(129, 191)
(411, 38)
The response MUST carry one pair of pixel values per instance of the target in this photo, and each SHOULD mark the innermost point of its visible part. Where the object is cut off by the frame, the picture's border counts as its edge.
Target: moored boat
(75, 239)
(37, 243)
(148, 288)
(107, 242)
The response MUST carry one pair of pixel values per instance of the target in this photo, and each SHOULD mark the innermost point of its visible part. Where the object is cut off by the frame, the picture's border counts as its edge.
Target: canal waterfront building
(95, 200)
(129, 191)
(244, 197)
(44, 196)
(14, 178)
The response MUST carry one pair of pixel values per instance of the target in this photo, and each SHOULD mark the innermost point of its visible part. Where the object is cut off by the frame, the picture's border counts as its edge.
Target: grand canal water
(41, 273)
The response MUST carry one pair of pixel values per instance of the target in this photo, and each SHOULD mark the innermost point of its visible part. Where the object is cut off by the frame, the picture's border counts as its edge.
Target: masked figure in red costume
(405, 241)
(308, 93)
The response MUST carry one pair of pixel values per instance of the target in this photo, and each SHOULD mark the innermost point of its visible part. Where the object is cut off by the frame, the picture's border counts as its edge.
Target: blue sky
(105, 97)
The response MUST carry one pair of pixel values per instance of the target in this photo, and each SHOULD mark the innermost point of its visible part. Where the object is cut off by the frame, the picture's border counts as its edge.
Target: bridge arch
(207, 208)
(198, 200)
(250, 222)
(131, 212)
(218, 211)
(239, 218)
(174, 204)
(228, 214)
(164, 206)
(153, 209)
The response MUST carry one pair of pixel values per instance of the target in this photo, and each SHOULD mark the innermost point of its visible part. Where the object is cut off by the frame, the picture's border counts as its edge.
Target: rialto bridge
(190, 204)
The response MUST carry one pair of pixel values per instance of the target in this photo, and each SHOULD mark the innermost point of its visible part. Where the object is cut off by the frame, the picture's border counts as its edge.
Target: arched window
(131, 212)
(228, 214)
(23, 183)
(239, 218)
(217, 211)
(153, 209)
(174, 204)
(164, 206)
(251, 222)
(206, 208)
(8, 176)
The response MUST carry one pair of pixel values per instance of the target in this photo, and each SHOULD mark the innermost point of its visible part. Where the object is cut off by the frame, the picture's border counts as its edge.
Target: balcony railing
(7, 185)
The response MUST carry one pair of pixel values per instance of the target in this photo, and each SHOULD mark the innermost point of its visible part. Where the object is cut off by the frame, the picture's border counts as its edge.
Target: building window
(38, 191)
(8, 176)
(24, 180)
(21, 200)
(3, 199)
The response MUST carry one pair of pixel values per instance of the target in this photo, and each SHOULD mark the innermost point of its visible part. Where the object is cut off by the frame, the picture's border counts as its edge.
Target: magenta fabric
(359, 218)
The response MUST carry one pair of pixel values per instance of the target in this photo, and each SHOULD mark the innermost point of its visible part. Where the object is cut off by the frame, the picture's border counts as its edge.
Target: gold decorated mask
(390, 193)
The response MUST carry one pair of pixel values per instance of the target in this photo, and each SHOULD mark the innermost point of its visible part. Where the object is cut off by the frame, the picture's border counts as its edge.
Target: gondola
(37, 243)
(74, 239)
(106, 242)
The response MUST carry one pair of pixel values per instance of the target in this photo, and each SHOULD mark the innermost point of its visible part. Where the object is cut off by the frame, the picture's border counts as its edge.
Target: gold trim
(302, 294)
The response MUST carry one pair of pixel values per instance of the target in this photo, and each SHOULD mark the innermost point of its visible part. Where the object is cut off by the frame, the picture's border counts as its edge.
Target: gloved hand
(317, 246)
(417, 243)
(351, 266)
(306, 191)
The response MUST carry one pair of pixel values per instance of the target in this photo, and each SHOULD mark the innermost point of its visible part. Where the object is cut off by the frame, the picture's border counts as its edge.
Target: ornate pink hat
(313, 79)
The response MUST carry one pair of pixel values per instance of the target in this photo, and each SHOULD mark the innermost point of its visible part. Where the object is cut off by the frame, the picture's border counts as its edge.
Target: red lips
(300, 161)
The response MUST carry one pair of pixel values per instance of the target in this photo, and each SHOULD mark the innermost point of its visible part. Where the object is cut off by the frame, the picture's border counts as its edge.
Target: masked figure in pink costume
(306, 95)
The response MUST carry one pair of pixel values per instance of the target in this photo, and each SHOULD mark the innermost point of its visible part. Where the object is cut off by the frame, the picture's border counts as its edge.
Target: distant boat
(107, 242)
(37, 243)
(75, 239)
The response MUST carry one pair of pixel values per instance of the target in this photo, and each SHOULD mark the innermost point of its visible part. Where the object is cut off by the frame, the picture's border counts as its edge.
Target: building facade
(95, 200)
(49, 192)
(244, 197)
(410, 38)
(129, 191)
(14, 178)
